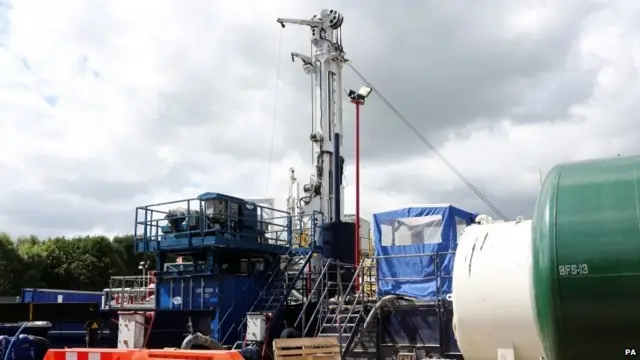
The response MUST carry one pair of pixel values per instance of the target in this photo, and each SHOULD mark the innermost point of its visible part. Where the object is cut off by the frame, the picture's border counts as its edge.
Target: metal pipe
(315, 287)
(357, 219)
(414, 255)
(379, 305)
(337, 176)
(199, 339)
(15, 336)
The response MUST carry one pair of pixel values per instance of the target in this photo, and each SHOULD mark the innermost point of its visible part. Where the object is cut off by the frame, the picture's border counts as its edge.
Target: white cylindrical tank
(493, 311)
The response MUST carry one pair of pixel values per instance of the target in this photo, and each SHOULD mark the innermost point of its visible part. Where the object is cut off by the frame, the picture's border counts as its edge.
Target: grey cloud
(99, 190)
(422, 189)
(43, 214)
(446, 66)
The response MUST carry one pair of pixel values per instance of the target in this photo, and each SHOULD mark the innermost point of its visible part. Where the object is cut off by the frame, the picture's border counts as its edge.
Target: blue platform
(235, 248)
(415, 248)
(185, 225)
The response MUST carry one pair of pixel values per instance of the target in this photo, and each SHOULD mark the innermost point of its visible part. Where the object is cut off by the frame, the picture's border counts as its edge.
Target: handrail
(267, 287)
(263, 285)
(353, 335)
(356, 325)
(291, 287)
(276, 296)
(313, 290)
(150, 230)
(272, 270)
(341, 304)
(324, 293)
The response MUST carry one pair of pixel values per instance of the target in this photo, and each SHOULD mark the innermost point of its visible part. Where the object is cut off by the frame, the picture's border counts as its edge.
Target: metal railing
(273, 226)
(265, 281)
(129, 292)
(323, 287)
(437, 274)
(281, 300)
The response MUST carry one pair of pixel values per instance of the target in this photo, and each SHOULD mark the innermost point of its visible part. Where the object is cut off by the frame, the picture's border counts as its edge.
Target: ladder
(344, 317)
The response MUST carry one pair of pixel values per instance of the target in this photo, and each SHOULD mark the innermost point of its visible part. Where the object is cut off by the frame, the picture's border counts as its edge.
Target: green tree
(34, 256)
(79, 263)
(132, 259)
(11, 266)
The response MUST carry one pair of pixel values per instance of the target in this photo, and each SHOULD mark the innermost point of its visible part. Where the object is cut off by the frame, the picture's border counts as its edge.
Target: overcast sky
(107, 105)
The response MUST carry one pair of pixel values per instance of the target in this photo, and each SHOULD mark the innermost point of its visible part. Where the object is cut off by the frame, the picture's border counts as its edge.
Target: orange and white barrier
(142, 354)
(88, 354)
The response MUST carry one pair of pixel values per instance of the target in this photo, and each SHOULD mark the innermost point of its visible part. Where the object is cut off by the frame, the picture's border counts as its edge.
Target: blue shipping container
(228, 298)
(31, 295)
(71, 329)
(197, 292)
(237, 295)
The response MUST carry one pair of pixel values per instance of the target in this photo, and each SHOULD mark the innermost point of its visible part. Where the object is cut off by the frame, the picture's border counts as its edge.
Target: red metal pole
(357, 182)
(357, 219)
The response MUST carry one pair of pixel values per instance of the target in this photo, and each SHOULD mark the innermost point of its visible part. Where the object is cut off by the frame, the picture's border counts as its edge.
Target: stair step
(342, 317)
(338, 325)
(363, 353)
(329, 334)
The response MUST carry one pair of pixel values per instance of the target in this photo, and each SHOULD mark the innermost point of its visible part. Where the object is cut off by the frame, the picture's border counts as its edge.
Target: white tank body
(493, 311)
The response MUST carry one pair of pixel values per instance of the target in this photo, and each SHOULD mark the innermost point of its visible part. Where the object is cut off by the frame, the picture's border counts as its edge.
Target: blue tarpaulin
(415, 248)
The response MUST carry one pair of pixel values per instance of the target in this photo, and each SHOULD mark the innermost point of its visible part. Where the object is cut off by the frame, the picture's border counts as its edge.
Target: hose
(40, 341)
(6, 355)
(146, 338)
(382, 302)
(199, 339)
(43, 345)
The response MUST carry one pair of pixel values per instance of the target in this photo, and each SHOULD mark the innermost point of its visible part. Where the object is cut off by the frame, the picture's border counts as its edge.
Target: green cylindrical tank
(586, 259)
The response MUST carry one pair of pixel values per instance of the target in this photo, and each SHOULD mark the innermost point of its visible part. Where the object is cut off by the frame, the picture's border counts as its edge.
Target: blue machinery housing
(236, 249)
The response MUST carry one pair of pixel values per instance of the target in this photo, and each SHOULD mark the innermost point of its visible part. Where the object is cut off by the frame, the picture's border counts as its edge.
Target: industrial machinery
(323, 192)
(236, 255)
(493, 312)
(230, 272)
(586, 259)
(251, 266)
(563, 285)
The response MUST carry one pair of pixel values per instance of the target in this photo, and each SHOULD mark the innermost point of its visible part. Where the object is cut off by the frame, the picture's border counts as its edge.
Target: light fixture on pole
(358, 99)
(143, 266)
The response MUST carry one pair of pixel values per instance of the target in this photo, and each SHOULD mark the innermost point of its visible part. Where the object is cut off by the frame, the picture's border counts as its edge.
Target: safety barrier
(170, 354)
(88, 354)
(143, 354)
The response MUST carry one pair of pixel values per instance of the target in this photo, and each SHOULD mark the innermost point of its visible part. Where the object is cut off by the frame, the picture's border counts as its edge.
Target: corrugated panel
(198, 292)
(427, 327)
(365, 233)
(59, 296)
(412, 325)
(237, 295)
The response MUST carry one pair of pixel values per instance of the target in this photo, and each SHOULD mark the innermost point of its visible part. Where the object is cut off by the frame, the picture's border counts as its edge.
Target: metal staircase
(344, 316)
(279, 287)
(282, 286)
(264, 278)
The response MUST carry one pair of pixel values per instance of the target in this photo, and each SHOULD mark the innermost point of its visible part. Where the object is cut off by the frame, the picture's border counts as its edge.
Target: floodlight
(364, 91)
(360, 95)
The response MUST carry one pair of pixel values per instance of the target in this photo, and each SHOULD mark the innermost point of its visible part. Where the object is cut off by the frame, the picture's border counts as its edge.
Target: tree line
(78, 263)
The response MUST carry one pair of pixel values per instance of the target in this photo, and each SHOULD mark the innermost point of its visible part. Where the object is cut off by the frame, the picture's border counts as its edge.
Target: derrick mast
(323, 193)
